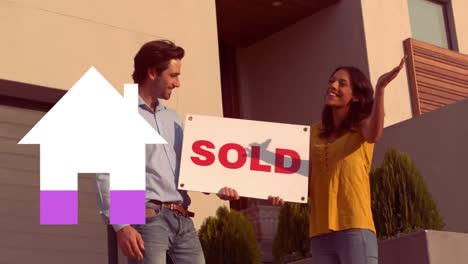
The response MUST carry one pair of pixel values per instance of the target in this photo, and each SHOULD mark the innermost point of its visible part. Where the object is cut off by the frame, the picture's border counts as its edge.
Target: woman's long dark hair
(358, 111)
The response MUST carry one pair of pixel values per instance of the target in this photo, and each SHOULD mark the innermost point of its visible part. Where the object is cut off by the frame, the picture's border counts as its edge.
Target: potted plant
(229, 238)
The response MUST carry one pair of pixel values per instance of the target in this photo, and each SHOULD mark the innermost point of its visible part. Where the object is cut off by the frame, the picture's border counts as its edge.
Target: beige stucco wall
(52, 43)
(386, 26)
(283, 78)
(461, 24)
(429, 139)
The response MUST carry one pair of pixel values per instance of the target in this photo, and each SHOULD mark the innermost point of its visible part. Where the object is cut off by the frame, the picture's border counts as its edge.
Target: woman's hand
(386, 78)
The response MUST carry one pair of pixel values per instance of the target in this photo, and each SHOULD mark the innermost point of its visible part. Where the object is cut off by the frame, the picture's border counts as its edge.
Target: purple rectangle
(127, 207)
(59, 207)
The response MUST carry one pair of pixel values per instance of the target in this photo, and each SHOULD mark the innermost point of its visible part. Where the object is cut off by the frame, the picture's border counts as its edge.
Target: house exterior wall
(429, 139)
(283, 78)
(24, 239)
(52, 43)
(461, 24)
(386, 26)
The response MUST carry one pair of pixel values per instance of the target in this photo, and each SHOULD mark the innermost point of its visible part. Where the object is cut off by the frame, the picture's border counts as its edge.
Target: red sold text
(207, 154)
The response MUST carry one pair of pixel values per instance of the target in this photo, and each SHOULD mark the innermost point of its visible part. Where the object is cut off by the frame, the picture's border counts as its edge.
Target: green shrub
(401, 202)
(292, 235)
(229, 238)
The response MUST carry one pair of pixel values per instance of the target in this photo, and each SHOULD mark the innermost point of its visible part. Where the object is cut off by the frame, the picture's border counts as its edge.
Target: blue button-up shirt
(162, 161)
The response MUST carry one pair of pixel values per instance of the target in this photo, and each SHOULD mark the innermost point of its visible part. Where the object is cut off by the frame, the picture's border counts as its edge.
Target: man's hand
(130, 242)
(275, 200)
(227, 193)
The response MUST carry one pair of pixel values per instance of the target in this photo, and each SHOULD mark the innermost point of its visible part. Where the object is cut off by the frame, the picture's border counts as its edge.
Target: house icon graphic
(93, 129)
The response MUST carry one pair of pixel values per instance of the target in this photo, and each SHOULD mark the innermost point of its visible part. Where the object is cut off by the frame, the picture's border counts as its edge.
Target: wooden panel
(436, 56)
(31, 194)
(32, 226)
(439, 64)
(442, 86)
(439, 88)
(52, 243)
(27, 178)
(25, 240)
(437, 76)
(22, 254)
(10, 145)
(86, 182)
(26, 118)
(431, 104)
(13, 131)
(443, 82)
(435, 98)
(443, 94)
(19, 162)
(438, 50)
(411, 69)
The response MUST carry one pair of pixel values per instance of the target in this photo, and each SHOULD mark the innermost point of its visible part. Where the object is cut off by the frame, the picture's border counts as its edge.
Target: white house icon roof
(93, 111)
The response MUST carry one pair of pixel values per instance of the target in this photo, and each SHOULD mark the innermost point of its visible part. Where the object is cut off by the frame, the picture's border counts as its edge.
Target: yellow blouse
(339, 186)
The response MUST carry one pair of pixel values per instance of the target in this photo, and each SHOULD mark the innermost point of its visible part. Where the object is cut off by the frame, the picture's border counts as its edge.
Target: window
(431, 22)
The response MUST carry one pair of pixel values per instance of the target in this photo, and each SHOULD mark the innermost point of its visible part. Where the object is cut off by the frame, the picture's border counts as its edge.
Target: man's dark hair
(155, 54)
(358, 111)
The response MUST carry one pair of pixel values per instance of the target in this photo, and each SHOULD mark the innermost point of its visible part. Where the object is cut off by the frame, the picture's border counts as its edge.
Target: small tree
(292, 235)
(229, 238)
(401, 202)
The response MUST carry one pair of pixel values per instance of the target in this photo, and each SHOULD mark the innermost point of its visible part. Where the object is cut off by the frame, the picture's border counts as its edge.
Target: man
(169, 229)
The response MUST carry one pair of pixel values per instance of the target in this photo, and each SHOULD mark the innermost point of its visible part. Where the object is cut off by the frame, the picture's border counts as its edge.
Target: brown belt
(173, 207)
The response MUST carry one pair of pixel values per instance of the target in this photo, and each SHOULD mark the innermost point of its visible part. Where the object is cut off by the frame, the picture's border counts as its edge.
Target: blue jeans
(351, 246)
(169, 238)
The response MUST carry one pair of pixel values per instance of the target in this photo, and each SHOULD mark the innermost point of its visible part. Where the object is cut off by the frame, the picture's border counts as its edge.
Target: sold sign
(256, 158)
(203, 147)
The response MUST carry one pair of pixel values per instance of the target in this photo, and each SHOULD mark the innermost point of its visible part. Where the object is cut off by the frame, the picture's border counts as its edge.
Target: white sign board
(256, 158)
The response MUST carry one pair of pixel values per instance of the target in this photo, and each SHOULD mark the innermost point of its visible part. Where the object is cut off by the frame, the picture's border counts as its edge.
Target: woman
(341, 226)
